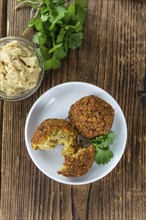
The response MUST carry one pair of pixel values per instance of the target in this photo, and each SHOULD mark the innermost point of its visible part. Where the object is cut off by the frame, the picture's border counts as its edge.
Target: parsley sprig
(59, 27)
(102, 145)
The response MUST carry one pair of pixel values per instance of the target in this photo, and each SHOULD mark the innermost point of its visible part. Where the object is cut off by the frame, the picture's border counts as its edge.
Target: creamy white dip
(19, 69)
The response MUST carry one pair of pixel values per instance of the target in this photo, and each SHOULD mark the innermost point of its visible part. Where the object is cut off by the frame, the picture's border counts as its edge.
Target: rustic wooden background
(113, 56)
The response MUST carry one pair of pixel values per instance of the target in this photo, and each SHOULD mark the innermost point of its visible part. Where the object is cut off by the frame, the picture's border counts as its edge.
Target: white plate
(55, 103)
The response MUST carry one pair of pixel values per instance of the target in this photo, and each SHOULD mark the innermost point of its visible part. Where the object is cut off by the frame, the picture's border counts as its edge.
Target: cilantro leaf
(55, 47)
(102, 146)
(73, 26)
(75, 40)
(60, 14)
(44, 17)
(38, 38)
(46, 2)
(103, 156)
(60, 53)
(35, 38)
(52, 63)
(60, 36)
(70, 13)
(81, 8)
(58, 27)
(104, 141)
(38, 24)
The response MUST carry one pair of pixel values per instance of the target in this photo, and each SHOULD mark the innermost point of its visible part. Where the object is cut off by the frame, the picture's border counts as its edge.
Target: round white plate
(55, 103)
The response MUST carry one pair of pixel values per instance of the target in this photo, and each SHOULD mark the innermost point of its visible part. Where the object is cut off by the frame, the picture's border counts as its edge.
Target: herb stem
(20, 4)
(31, 13)
(24, 3)
(37, 11)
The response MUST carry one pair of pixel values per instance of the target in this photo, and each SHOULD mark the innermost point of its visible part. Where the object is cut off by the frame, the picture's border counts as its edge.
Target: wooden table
(113, 57)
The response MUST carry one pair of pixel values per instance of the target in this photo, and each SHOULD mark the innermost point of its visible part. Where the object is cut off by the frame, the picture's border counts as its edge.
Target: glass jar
(34, 51)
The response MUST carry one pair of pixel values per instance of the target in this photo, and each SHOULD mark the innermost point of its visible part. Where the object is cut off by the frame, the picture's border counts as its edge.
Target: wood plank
(141, 49)
(112, 57)
(3, 24)
(3, 18)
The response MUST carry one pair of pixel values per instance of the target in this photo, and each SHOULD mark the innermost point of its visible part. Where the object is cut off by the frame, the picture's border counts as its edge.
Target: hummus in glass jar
(19, 69)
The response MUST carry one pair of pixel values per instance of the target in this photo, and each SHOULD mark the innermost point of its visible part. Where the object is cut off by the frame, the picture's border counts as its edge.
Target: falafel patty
(91, 116)
(79, 163)
(53, 132)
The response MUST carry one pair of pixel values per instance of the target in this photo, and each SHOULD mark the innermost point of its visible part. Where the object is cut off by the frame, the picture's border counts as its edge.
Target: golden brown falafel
(53, 132)
(91, 116)
(79, 163)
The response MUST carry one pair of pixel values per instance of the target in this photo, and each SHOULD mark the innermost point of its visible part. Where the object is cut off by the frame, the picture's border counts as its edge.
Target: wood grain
(113, 57)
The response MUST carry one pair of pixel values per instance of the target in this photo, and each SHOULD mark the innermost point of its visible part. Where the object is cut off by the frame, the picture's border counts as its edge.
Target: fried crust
(53, 132)
(91, 116)
(48, 126)
(79, 163)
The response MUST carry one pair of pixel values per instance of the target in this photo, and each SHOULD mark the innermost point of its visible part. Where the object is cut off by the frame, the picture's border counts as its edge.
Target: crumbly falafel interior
(57, 138)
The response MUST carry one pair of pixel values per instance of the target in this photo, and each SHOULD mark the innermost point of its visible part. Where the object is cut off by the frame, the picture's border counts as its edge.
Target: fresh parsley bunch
(59, 27)
(102, 146)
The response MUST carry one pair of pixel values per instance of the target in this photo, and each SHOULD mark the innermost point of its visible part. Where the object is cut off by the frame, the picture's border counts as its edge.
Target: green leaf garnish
(59, 27)
(102, 146)
(103, 156)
